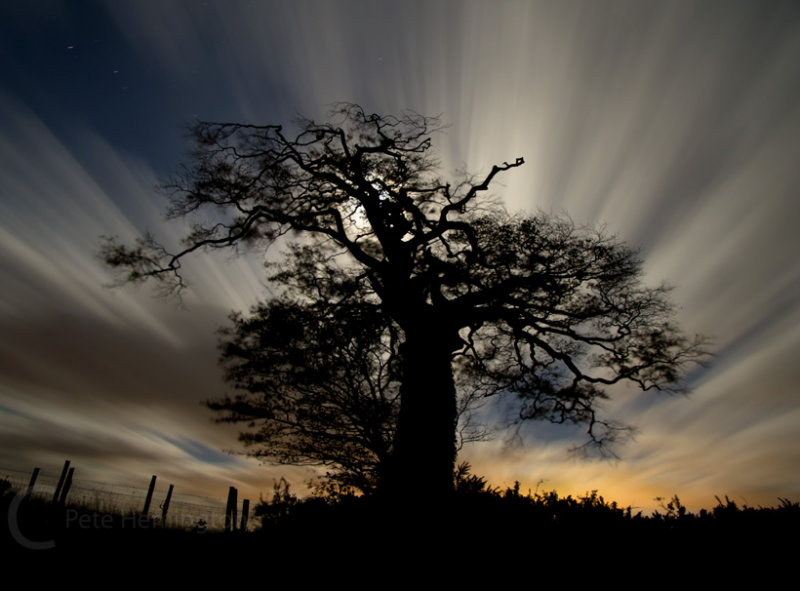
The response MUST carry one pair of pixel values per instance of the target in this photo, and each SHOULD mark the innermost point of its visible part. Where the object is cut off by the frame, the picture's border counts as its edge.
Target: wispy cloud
(676, 124)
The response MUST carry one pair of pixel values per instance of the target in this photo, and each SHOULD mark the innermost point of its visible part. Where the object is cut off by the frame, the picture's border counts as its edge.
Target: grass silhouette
(498, 524)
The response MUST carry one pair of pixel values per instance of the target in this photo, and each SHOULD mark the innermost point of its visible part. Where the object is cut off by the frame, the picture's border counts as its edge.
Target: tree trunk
(425, 443)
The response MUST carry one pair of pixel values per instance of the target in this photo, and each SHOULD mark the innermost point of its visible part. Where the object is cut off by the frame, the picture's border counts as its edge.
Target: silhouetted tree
(529, 307)
(317, 381)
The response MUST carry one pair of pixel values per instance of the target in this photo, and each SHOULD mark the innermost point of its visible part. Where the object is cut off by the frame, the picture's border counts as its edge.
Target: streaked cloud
(673, 123)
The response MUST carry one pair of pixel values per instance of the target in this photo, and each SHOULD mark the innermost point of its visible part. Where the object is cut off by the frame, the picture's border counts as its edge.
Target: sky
(674, 124)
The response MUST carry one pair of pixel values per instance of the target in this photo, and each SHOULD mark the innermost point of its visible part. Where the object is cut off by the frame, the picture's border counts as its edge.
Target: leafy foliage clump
(482, 511)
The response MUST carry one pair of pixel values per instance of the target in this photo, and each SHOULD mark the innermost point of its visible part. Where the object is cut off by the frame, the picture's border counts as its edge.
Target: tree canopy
(444, 280)
(317, 382)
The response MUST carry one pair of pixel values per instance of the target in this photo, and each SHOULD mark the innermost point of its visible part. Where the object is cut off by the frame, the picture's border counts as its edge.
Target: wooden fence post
(149, 498)
(61, 481)
(230, 510)
(234, 507)
(165, 507)
(67, 485)
(32, 482)
(245, 512)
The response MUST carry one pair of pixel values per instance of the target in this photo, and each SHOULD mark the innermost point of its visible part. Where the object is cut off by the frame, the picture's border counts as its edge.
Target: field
(480, 524)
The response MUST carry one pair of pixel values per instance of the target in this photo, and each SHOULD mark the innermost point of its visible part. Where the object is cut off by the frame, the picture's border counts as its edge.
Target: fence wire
(185, 511)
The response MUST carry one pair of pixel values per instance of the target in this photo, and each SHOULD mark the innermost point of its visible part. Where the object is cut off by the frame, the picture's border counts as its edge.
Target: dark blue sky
(675, 123)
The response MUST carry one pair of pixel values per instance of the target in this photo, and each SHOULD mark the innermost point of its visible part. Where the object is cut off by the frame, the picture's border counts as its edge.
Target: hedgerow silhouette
(479, 506)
